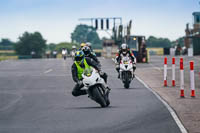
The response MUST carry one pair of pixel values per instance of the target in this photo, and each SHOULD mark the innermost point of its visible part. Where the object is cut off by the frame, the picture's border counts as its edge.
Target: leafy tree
(6, 44)
(51, 46)
(179, 41)
(158, 42)
(29, 42)
(66, 45)
(85, 33)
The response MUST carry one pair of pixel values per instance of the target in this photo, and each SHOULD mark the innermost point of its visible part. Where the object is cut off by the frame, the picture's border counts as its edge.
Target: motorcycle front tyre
(98, 96)
(126, 85)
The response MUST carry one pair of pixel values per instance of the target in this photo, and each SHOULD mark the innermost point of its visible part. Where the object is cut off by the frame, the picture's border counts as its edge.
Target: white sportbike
(96, 87)
(126, 71)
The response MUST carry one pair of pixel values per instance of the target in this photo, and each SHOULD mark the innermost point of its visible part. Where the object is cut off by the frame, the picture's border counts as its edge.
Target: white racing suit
(119, 57)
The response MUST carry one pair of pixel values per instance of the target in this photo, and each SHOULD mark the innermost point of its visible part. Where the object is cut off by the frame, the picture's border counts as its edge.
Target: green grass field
(8, 55)
(7, 51)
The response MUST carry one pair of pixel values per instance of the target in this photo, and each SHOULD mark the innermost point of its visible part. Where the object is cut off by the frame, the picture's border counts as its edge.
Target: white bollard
(192, 82)
(181, 78)
(165, 71)
(173, 71)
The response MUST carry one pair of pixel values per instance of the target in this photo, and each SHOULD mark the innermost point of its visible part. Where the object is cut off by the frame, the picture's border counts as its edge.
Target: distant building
(192, 37)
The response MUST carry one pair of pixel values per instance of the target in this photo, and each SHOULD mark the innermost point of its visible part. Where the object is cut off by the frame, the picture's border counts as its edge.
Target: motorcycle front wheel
(98, 96)
(126, 85)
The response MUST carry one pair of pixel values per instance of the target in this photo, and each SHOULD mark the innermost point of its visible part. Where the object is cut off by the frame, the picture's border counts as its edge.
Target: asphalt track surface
(35, 97)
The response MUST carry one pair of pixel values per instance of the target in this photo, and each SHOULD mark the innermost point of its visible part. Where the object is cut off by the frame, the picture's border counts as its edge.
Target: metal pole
(91, 22)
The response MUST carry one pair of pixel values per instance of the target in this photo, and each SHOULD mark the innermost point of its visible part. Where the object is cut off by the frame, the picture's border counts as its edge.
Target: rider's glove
(101, 73)
(117, 66)
(80, 82)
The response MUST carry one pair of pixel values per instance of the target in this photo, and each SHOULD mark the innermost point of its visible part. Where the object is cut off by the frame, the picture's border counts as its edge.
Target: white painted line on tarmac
(49, 70)
(155, 67)
(113, 59)
(172, 112)
(11, 103)
(197, 58)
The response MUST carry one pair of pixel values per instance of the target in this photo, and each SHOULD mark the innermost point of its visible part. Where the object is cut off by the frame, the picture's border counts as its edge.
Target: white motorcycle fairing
(126, 65)
(96, 87)
(92, 79)
(126, 71)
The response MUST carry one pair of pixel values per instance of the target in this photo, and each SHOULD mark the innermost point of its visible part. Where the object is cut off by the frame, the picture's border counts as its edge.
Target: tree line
(29, 43)
(163, 42)
(6, 44)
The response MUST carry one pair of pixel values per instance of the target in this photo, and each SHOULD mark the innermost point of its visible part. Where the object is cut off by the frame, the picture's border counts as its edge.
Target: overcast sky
(56, 19)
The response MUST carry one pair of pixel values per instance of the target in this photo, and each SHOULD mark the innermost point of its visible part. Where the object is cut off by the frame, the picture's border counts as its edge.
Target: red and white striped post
(165, 71)
(173, 71)
(181, 78)
(192, 82)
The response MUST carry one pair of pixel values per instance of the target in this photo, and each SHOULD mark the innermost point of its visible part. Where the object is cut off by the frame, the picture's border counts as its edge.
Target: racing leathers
(119, 56)
(77, 71)
(93, 56)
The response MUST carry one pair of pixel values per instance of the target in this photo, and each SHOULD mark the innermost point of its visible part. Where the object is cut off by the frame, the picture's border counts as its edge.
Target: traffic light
(107, 24)
(96, 24)
(120, 29)
(102, 24)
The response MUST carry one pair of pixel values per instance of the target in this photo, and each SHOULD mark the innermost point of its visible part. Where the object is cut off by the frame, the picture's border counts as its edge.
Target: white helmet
(73, 47)
(88, 44)
(124, 48)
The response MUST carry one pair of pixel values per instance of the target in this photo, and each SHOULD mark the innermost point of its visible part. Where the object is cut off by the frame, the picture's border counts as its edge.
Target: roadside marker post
(165, 71)
(173, 71)
(181, 78)
(192, 82)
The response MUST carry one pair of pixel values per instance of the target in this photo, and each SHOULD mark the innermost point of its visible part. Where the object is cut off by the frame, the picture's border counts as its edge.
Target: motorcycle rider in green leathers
(80, 64)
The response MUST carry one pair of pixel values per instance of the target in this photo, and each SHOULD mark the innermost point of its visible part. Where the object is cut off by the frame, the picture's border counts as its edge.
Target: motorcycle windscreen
(88, 72)
(126, 60)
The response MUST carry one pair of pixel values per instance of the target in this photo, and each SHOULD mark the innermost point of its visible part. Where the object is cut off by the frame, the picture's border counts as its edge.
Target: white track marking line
(172, 112)
(113, 59)
(155, 67)
(197, 58)
(49, 70)
(11, 103)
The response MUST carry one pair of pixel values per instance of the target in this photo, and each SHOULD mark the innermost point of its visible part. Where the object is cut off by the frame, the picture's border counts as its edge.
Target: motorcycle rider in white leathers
(124, 51)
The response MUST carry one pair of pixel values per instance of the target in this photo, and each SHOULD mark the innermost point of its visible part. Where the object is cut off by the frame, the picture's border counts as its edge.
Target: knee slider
(74, 93)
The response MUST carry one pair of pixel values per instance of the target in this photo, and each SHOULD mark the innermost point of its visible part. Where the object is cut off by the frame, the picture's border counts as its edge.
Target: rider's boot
(133, 76)
(117, 69)
(134, 72)
(118, 75)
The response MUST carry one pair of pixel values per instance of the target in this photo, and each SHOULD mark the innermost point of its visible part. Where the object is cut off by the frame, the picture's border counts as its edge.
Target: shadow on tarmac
(131, 88)
(96, 107)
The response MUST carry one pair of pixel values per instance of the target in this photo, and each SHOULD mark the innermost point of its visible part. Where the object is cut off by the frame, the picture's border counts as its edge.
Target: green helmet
(79, 57)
